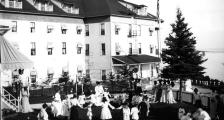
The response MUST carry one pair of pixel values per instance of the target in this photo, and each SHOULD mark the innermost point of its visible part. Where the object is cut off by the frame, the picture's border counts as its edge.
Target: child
(81, 99)
(126, 111)
(181, 112)
(186, 117)
(66, 105)
(134, 112)
(105, 112)
(43, 114)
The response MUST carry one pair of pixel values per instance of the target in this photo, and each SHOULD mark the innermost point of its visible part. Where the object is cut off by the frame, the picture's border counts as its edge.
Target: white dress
(57, 97)
(170, 98)
(81, 99)
(74, 102)
(105, 112)
(99, 89)
(25, 103)
(164, 94)
(126, 114)
(42, 115)
(57, 108)
(134, 113)
(93, 98)
(66, 105)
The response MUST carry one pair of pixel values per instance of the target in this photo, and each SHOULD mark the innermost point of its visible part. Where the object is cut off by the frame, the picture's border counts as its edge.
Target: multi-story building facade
(94, 37)
(47, 34)
(120, 33)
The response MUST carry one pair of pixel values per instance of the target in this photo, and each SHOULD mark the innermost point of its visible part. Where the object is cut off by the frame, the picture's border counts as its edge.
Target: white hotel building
(93, 37)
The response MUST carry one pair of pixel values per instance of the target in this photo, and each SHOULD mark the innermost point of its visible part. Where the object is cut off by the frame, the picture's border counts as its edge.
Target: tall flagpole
(158, 38)
(158, 30)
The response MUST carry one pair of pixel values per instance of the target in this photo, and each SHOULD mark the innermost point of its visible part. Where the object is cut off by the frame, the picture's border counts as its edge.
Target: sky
(206, 20)
(204, 17)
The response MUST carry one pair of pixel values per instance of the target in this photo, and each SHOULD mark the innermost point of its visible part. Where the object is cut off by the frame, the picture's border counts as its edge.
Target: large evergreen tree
(182, 59)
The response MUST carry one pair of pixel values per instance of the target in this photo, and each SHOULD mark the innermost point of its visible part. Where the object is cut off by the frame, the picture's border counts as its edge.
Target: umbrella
(10, 58)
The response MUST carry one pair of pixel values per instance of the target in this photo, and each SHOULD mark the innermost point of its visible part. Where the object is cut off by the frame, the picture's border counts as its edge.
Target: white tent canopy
(10, 58)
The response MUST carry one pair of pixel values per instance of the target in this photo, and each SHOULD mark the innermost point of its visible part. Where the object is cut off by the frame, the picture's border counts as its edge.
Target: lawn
(158, 111)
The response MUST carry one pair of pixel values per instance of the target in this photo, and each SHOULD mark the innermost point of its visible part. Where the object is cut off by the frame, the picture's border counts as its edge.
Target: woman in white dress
(25, 101)
(170, 98)
(57, 107)
(66, 105)
(164, 93)
(126, 111)
(134, 112)
(99, 93)
(105, 112)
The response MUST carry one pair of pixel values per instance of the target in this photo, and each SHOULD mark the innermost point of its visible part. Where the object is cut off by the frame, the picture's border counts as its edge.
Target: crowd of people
(163, 91)
(67, 108)
(216, 108)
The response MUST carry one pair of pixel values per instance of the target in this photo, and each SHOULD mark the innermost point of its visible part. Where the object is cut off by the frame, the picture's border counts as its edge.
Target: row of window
(50, 49)
(64, 49)
(134, 30)
(139, 50)
(50, 28)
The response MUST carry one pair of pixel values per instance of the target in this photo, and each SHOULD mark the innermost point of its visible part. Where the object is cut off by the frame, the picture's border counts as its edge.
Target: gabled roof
(95, 8)
(87, 9)
(30, 9)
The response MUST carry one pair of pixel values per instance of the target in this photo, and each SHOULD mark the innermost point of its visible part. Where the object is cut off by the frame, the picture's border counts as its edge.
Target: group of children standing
(163, 91)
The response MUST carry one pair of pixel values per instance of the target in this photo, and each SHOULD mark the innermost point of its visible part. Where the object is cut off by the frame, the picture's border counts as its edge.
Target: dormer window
(79, 29)
(117, 29)
(50, 28)
(43, 5)
(63, 29)
(69, 8)
(13, 4)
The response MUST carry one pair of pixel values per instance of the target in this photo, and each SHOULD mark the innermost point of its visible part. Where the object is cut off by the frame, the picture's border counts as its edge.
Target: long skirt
(26, 105)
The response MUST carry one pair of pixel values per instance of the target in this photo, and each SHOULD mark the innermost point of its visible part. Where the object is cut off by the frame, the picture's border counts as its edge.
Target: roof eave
(42, 14)
(137, 17)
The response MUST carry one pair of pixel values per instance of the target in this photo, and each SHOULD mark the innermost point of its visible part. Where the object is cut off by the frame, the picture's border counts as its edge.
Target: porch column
(140, 70)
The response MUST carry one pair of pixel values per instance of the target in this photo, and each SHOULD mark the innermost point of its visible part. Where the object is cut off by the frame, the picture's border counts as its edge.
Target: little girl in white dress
(105, 112)
(134, 112)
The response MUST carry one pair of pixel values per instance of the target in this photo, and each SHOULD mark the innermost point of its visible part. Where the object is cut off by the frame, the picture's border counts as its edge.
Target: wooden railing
(10, 99)
(188, 98)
